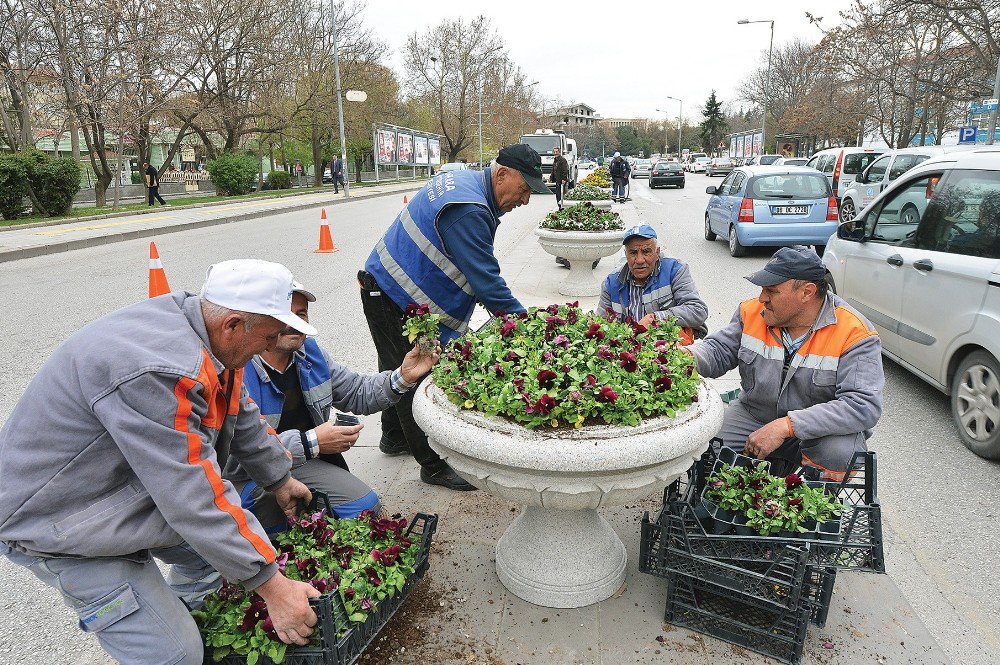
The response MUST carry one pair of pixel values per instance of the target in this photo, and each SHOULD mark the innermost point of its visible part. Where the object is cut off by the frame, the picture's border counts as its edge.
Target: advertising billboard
(419, 149)
(404, 148)
(386, 146)
(732, 147)
(434, 151)
(756, 144)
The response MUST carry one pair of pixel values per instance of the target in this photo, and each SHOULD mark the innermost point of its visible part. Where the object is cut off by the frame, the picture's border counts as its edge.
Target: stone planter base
(580, 249)
(602, 203)
(561, 558)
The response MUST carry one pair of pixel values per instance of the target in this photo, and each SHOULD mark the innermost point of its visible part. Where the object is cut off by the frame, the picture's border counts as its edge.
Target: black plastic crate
(338, 641)
(713, 610)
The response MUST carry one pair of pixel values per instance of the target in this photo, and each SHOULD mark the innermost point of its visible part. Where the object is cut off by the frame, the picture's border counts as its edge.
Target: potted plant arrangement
(565, 412)
(581, 234)
(420, 326)
(598, 197)
(600, 177)
(363, 568)
(746, 495)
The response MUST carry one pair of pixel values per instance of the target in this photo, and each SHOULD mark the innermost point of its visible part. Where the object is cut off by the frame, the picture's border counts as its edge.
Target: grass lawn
(178, 201)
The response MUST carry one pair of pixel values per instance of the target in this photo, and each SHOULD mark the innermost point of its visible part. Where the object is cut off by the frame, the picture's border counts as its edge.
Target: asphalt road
(940, 501)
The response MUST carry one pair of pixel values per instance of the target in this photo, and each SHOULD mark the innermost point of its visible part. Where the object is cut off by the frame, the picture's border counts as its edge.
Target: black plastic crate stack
(338, 641)
(758, 592)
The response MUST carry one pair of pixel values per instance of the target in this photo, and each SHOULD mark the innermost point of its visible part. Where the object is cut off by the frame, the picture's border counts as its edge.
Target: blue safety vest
(412, 265)
(314, 379)
(656, 291)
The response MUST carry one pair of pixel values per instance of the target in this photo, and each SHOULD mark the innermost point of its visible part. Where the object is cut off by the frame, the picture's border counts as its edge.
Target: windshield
(542, 143)
(789, 186)
(662, 165)
(768, 159)
(642, 162)
(857, 162)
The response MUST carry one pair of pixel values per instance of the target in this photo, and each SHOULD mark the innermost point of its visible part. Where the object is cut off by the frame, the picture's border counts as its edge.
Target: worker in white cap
(113, 456)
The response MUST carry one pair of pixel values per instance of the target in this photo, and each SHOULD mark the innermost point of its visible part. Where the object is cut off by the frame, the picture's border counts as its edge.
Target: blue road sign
(967, 134)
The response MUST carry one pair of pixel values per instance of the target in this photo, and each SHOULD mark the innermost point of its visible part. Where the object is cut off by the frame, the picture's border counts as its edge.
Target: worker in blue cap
(652, 287)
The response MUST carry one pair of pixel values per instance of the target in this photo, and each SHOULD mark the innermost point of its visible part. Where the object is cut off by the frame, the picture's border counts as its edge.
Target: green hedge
(233, 173)
(54, 181)
(279, 180)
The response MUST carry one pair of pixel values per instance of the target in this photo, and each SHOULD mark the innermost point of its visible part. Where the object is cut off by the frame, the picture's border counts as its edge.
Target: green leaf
(253, 657)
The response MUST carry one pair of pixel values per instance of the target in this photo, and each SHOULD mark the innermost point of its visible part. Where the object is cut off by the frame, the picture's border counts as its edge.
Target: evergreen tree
(713, 126)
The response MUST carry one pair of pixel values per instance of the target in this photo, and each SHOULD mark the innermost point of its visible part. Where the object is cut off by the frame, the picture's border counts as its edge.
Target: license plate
(791, 210)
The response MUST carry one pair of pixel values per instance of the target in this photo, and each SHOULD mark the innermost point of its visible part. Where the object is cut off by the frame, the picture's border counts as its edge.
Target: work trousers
(154, 193)
(125, 602)
(560, 192)
(618, 187)
(338, 182)
(385, 321)
(830, 455)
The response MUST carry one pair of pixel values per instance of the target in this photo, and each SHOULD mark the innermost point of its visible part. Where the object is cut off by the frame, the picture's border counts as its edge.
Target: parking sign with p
(967, 134)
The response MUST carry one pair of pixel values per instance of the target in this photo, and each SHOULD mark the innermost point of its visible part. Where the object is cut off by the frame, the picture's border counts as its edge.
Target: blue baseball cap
(798, 262)
(641, 231)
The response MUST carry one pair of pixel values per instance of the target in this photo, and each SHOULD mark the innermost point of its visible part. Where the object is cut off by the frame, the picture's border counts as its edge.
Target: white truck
(544, 141)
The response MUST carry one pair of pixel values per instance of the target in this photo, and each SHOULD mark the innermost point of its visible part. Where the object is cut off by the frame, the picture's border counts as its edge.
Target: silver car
(930, 282)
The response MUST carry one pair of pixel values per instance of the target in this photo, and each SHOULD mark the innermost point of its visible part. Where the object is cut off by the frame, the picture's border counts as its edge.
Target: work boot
(445, 476)
(392, 448)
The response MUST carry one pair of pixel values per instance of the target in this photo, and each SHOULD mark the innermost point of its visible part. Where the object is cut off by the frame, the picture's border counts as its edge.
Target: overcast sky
(621, 58)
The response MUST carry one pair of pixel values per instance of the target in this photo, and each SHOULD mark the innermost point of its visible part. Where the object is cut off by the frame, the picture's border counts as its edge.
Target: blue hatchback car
(772, 206)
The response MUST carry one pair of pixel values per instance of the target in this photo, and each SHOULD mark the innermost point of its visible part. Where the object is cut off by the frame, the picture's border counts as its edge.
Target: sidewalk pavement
(461, 613)
(17, 242)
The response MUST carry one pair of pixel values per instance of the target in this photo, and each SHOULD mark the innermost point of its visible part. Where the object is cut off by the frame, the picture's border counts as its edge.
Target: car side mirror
(711, 189)
(853, 230)
(862, 177)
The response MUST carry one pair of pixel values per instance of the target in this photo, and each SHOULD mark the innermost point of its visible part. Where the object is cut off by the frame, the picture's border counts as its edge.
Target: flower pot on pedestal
(560, 552)
(581, 249)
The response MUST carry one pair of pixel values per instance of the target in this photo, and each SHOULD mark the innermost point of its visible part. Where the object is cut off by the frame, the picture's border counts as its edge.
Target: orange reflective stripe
(181, 389)
(234, 399)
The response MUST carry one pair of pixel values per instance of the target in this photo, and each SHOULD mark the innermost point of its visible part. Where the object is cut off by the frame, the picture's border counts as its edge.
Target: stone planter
(581, 249)
(559, 552)
(604, 204)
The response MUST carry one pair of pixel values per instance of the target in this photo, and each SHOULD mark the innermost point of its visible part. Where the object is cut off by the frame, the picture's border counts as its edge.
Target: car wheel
(847, 210)
(709, 233)
(909, 214)
(975, 403)
(830, 284)
(735, 248)
(681, 186)
(819, 249)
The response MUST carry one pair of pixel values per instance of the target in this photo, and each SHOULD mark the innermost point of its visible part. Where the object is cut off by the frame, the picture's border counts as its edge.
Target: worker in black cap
(439, 252)
(810, 370)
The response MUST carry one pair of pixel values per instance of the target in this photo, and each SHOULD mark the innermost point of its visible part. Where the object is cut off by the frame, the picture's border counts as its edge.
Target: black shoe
(392, 448)
(445, 477)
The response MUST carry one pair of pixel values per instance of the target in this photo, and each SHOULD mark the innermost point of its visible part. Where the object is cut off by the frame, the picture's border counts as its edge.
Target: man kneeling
(810, 370)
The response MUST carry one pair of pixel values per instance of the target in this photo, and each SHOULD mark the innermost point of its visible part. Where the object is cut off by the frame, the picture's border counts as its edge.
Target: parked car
(665, 174)
(842, 165)
(718, 166)
(930, 282)
(771, 206)
(453, 166)
(791, 161)
(641, 168)
(883, 171)
(698, 164)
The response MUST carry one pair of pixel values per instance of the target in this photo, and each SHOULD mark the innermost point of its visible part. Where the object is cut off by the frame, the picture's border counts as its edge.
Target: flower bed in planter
(588, 193)
(364, 569)
(601, 177)
(583, 217)
(561, 366)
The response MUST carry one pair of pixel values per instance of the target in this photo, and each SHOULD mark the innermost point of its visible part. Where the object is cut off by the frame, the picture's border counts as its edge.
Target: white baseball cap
(259, 287)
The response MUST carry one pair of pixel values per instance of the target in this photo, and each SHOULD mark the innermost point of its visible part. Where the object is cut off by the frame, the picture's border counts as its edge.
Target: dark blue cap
(641, 231)
(796, 262)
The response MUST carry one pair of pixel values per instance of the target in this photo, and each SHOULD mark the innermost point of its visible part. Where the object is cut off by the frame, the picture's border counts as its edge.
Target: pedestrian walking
(560, 175)
(140, 410)
(337, 174)
(439, 252)
(153, 183)
(619, 169)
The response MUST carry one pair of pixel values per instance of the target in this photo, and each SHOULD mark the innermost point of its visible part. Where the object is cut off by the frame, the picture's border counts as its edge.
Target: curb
(83, 243)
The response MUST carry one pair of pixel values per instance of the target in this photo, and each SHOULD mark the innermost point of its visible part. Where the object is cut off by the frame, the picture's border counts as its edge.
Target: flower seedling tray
(337, 640)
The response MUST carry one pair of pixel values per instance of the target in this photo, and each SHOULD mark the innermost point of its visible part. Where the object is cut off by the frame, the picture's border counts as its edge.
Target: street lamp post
(767, 86)
(340, 104)
(680, 123)
(993, 113)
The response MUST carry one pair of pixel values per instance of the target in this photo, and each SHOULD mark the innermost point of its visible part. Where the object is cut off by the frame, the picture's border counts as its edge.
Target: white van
(842, 165)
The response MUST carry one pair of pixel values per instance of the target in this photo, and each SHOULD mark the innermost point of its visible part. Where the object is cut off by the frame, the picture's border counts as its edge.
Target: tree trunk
(317, 150)
(74, 137)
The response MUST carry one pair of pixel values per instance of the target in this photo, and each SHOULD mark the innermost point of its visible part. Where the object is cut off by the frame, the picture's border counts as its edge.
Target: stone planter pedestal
(580, 249)
(603, 204)
(559, 552)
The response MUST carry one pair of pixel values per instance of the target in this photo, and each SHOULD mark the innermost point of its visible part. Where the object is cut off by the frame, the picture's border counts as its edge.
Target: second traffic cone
(404, 199)
(326, 245)
(157, 278)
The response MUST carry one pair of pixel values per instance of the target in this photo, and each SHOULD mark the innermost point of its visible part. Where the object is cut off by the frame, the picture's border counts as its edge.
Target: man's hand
(647, 320)
(288, 606)
(289, 495)
(333, 438)
(767, 439)
(415, 366)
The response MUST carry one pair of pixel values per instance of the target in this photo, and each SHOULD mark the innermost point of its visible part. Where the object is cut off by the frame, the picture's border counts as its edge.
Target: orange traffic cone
(404, 199)
(326, 245)
(157, 278)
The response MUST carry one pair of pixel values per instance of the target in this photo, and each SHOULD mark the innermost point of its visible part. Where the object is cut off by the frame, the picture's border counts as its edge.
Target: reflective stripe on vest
(657, 288)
